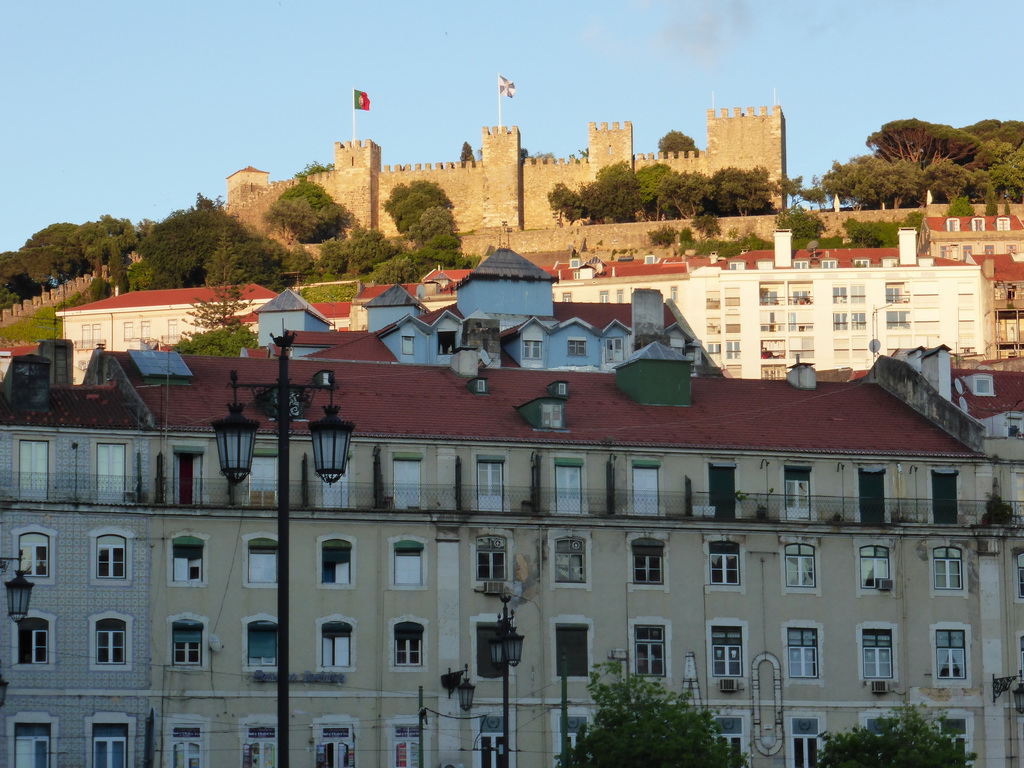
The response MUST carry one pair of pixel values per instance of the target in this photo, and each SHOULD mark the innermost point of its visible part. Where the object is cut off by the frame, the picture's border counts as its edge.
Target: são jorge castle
(501, 187)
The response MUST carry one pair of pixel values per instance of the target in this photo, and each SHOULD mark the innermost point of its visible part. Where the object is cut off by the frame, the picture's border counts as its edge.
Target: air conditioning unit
(885, 585)
(494, 587)
(879, 686)
(730, 685)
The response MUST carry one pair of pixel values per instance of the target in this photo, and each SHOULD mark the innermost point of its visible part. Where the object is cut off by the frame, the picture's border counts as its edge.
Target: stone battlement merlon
(723, 113)
(687, 155)
(359, 144)
(445, 166)
(603, 127)
(505, 130)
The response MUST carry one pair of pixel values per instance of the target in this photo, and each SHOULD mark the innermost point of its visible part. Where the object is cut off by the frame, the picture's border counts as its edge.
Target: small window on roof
(478, 386)
(952, 225)
(829, 264)
(801, 264)
(981, 385)
(977, 225)
(559, 388)
(1003, 224)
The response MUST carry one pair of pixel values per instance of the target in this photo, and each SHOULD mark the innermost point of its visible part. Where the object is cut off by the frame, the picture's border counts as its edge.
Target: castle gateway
(502, 187)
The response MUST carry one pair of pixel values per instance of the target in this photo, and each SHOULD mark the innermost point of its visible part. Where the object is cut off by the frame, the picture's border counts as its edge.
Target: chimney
(783, 247)
(988, 268)
(465, 362)
(908, 246)
(648, 317)
(935, 367)
(802, 376)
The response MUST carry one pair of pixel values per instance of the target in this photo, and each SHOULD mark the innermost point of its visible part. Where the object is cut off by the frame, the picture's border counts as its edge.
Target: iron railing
(114, 491)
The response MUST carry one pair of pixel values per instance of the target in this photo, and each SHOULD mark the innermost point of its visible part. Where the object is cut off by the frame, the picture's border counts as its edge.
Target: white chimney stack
(783, 248)
(908, 246)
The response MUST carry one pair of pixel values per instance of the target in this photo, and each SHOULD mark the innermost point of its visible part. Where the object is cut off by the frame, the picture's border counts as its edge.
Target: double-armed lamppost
(506, 652)
(236, 438)
(19, 592)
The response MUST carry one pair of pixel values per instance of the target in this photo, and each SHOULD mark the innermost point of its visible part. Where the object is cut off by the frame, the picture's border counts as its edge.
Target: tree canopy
(220, 342)
(312, 168)
(308, 214)
(676, 141)
(923, 143)
(406, 204)
(466, 156)
(640, 723)
(909, 738)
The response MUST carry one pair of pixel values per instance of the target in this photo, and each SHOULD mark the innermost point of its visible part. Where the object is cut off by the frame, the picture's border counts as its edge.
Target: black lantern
(331, 438)
(512, 647)
(19, 592)
(236, 437)
(1018, 698)
(466, 690)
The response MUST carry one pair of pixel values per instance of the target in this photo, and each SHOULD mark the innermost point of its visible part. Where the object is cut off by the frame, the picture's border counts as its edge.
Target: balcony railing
(114, 491)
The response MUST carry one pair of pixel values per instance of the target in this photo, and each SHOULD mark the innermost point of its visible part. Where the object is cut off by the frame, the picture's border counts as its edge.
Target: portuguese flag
(361, 100)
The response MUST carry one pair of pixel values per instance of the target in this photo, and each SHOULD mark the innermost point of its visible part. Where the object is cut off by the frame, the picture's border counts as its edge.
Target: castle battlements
(504, 189)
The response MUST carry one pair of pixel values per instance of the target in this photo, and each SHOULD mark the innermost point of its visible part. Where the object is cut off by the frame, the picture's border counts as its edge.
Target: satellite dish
(959, 386)
(963, 404)
(874, 346)
(812, 246)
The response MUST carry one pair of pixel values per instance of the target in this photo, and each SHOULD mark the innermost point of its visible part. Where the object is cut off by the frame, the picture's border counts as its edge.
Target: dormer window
(765, 264)
(650, 259)
(830, 264)
(861, 263)
(445, 342)
(888, 262)
(977, 225)
(1003, 224)
(478, 386)
(801, 264)
(737, 266)
(552, 415)
(982, 386)
(574, 263)
(558, 388)
(952, 225)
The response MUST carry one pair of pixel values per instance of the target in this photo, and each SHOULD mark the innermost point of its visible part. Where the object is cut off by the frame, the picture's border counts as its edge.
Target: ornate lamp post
(506, 652)
(19, 593)
(236, 437)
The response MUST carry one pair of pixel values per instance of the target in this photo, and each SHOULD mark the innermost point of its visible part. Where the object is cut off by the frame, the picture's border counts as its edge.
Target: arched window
(111, 641)
(336, 644)
(111, 557)
(262, 644)
(800, 571)
(408, 644)
(336, 562)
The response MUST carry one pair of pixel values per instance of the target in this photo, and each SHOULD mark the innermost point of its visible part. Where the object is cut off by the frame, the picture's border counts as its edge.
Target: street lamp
(459, 681)
(236, 438)
(506, 652)
(19, 592)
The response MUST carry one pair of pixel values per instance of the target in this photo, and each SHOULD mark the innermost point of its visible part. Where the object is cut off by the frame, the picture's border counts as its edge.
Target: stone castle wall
(501, 188)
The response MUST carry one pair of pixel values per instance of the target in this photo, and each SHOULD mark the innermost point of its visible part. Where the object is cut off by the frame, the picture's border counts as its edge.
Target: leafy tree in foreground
(224, 310)
(960, 206)
(741, 191)
(433, 222)
(314, 167)
(308, 214)
(615, 195)
(805, 225)
(222, 342)
(688, 193)
(467, 153)
(676, 141)
(649, 179)
(640, 723)
(566, 203)
(923, 143)
(910, 738)
(406, 204)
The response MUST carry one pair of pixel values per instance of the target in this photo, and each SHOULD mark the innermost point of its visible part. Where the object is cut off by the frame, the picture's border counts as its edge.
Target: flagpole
(353, 117)
(499, 103)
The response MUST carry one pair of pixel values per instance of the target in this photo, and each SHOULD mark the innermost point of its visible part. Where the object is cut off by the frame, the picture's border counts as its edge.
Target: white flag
(506, 87)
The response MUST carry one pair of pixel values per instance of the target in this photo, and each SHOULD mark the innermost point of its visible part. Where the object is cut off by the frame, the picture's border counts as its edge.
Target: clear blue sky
(131, 108)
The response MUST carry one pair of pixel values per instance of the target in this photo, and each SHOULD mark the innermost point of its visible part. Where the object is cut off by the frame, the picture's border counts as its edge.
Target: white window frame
(408, 570)
(490, 485)
(949, 655)
(112, 472)
(48, 637)
(347, 647)
(800, 565)
(874, 560)
(345, 570)
(803, 659)
(33, 469)
(656, 641)
(261, 663)
(533, 350)
(257, 568)
(576, 346)
(189, 647)
(947, 570)
(26, 748)
(570, 560)
(182, 569)
(407, 476)
(111, 743)
(568, 489)
(405, 658)
(30, 556)
(95, 634)
(882, 656)
(729, 661)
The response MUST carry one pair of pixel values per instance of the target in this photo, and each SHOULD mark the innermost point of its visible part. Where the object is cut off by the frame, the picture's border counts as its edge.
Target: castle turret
(608, 146)
(355, 182)
(748, 140)
(247, 183)
(503, 177)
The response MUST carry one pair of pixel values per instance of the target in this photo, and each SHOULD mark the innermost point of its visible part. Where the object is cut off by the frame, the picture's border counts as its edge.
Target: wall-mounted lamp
(459, 681)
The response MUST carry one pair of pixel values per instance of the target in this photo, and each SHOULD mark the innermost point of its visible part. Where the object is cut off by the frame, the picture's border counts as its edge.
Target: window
(732, 350)
(571, 643)
(408, 345)
(407, 483)
(732, 733)
(613, 350)
(876, 646)
(445, 342)
(186, 643)
(408, 644)
(893, 294)
(33, 641)
(957, 727)
(648, 559)
(109, 746)
(577, 348)
(532, 350)
(111, 478)
(145, 330)
(1002, 224)
(33, 468)
(172, 330)
(260, 747)
(570, 561)
(801, 264)
(858, 294)
(1020, 578)
(858, 321)
(725, 562)
(336, 644)
(129, 331)
(336, 747)
(799, 565)
(552, 415)
(262, 561)
(798, 492)
(484, 667)
(408, 563)
(804, 741)
(602, 297)
(566, 297)
(490, 485)
(948, 568)
(802, 644)
(966, 251)
(649, 650)
(840, 321)
(262, 644)
(982, 386)
(990, 250)
(620, 296)
(35, 554)
(31, 745)
(714, 348)
(110, 641)
(188, 477)
(726, 651)
(568, 489)
(950, 658)
(952, 225)
(829, 264)
(335, 562)
(490, 558)
(899, 319)
(187, 559)
(977, 225)
(874, 565)
(645, 490)
(110, 557)
(263, 481)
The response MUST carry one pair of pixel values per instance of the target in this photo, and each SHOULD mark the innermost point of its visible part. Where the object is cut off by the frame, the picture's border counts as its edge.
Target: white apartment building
(758, 313)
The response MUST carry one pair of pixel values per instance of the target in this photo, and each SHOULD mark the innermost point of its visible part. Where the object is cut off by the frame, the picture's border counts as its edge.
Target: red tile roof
(938, 223)
(727, 414)
(79, 406)
(601, 314)
(168, 297)
(351, 345)
(373, 291)
(332, 309)
(843, 256)
(1007, 385)
(1005, 268)
(628, 269)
